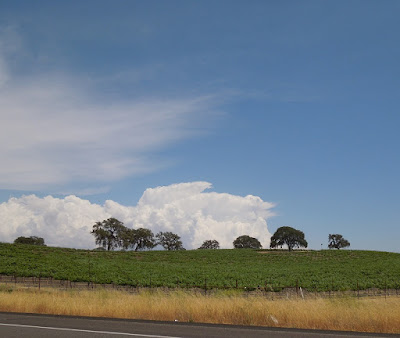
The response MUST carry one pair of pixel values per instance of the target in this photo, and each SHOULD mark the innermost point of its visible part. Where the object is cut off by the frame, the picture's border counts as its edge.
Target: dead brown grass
(349, 314)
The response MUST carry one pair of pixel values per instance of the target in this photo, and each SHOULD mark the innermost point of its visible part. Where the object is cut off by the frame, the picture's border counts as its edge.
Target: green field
(313, 270)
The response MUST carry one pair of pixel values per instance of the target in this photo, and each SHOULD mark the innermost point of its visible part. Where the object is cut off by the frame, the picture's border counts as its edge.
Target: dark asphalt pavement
(33, 325)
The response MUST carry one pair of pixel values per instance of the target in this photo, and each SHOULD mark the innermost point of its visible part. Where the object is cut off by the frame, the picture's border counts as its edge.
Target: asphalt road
(33, 325)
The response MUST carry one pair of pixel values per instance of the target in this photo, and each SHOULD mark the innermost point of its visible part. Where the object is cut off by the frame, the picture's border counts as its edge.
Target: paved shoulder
(33, 325)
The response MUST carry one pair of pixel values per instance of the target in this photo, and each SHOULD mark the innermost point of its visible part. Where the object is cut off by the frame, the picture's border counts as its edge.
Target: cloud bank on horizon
(183, 208)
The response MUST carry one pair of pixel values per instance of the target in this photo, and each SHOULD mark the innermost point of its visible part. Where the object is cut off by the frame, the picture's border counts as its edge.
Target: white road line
(88, 331)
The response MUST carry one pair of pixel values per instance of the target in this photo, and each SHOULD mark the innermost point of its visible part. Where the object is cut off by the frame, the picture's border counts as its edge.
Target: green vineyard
(325, 270)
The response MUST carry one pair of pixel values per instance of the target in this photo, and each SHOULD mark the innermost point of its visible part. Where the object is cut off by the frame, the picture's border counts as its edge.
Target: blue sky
(293, 102)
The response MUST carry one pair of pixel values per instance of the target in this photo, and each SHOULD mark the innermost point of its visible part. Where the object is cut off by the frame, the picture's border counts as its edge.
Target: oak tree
(291, 237)
(169, 241)
(336, 241)
(246, 242)
(109, 233)
(32, 240)
(210, 244)
(138, 239)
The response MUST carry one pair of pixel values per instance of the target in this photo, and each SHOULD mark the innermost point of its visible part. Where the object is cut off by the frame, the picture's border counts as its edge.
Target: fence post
(39, 280)
(385, 286)
(89, 272)
(358, 291)
(272, 289)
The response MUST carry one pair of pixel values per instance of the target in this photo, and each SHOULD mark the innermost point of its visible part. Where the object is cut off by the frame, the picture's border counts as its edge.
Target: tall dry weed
(348, 314)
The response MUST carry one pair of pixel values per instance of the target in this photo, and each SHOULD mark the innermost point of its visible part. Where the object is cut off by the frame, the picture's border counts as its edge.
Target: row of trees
(111, 234)
(286, 236)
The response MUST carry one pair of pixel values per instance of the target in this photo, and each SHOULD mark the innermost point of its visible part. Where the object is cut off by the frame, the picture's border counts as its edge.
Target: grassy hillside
(313, 270)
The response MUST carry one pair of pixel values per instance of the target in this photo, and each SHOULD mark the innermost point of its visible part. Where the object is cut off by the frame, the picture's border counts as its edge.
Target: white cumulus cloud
(184, 208)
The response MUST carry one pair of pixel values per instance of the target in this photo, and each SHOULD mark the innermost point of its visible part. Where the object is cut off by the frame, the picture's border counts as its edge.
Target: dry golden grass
(349, 314)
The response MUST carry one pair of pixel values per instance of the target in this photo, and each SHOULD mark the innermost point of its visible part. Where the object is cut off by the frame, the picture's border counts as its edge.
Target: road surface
(33, 325)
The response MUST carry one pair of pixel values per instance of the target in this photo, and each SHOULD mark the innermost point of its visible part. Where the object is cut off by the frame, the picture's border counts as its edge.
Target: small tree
(246, 242)
(288, 236)
(109, 233)
(336, 241)
(210, 244)
(169, 241)
(138, 239)
(32, 240)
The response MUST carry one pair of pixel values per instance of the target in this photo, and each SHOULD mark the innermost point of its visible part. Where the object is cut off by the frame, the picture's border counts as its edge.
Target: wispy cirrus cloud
(56, 129)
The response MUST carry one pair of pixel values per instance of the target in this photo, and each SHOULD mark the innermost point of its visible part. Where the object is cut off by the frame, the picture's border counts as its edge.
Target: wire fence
(270, 291)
